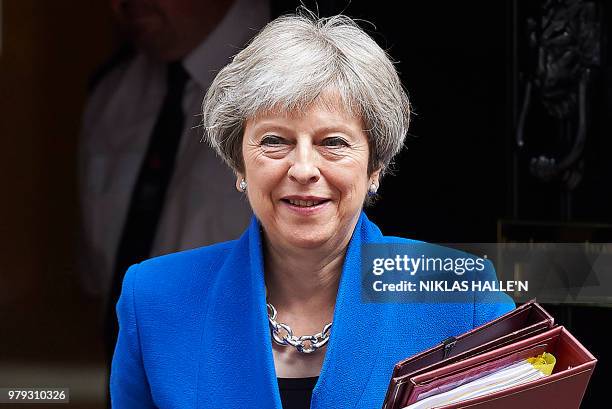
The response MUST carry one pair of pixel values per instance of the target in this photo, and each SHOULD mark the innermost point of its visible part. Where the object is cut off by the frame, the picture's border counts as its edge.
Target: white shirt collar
(242, 21)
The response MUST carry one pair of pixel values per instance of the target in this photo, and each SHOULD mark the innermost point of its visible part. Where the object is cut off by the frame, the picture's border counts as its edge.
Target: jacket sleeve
(489, 305)
(128, 382)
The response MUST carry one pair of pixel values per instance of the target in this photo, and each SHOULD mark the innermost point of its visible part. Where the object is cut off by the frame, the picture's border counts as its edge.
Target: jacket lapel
(237, 367)
(354, 342)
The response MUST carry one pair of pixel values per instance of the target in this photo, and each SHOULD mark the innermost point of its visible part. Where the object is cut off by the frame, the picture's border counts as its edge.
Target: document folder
(524, 332)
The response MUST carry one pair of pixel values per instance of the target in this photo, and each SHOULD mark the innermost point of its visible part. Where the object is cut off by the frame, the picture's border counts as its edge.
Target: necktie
(148, 194)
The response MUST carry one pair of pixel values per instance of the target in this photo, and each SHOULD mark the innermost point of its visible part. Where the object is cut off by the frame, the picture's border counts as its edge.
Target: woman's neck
(303, 279)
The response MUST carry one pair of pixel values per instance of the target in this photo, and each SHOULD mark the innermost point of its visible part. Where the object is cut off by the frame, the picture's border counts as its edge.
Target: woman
(309, 116)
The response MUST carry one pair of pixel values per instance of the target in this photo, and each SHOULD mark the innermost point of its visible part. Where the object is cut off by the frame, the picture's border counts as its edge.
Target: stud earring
(373, 189)
(243, 185)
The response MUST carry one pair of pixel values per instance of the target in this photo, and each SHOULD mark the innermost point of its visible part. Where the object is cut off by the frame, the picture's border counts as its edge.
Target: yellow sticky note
(544, 362)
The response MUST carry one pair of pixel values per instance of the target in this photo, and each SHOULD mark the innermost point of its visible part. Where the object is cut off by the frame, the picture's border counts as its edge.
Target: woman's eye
(272, 140)
(335, 142)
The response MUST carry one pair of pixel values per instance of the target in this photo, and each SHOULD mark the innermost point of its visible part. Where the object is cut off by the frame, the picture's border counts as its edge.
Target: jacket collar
(237, 365)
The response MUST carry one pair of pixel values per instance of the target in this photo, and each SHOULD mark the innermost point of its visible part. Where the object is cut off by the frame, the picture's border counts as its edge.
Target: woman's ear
(239, 178)
(373, 183)
(375, 177)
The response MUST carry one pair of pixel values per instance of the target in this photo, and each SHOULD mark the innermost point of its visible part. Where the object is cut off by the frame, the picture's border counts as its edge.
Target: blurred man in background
(147, 184)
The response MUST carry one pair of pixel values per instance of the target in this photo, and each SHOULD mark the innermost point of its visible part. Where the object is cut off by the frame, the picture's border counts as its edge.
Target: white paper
(507, 377)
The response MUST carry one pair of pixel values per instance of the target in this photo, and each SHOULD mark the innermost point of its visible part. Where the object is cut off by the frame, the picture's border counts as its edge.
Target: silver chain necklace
(283, 335)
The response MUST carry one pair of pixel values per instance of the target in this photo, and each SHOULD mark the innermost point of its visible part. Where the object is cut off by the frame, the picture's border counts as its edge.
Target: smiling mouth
(304, 203)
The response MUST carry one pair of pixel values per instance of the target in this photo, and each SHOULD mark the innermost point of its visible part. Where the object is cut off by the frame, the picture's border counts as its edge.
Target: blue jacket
(194, 331)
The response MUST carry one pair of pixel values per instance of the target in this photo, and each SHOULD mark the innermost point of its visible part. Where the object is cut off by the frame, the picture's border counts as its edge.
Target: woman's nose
(304, 168)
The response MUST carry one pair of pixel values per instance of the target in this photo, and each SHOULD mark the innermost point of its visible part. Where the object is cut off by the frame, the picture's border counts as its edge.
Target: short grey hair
(289, 64)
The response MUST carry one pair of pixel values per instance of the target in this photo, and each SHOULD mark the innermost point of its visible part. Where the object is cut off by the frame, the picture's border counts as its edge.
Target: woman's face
(307, 174)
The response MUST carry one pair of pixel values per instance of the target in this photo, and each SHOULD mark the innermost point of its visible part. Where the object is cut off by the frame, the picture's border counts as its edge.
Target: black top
(295, 393)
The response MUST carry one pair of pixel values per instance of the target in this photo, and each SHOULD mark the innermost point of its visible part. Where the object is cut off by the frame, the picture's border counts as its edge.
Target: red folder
(524, 332)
